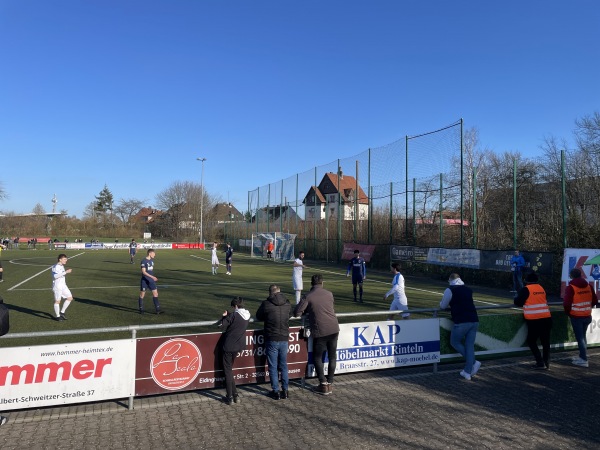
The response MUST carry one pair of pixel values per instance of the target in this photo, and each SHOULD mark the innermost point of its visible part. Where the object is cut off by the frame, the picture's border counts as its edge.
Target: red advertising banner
(185, 363)
(188, 245)
(366, 251)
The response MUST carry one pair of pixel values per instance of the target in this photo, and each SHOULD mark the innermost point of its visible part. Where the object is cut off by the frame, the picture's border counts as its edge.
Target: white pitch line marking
(39, 273)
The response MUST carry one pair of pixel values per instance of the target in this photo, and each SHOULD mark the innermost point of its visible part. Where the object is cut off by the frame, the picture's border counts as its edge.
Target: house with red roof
(336, 194)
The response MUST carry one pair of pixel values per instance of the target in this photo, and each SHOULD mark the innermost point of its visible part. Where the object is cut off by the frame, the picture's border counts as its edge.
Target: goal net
(283, 245)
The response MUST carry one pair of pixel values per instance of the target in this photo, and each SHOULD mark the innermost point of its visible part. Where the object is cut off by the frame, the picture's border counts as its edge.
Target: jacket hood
(277, 299)
(244, 313)
(457, 282)
(579, 282)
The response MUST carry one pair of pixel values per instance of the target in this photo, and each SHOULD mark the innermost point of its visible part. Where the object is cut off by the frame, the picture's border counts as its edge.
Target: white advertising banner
(461, 257)
(70, 245)
(116, 246)
(388, 344)
(593, 332)
(112, 245)
(156, 245)
(577, 258)
(48, 375)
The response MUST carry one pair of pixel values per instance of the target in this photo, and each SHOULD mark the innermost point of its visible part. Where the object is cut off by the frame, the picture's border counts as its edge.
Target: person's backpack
(4, 325)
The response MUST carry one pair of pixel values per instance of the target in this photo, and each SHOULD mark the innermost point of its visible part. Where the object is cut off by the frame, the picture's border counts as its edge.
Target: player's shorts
(398, 306)
(357, 279)
(62, 292)
(215, 261)
(227, 260)
(132, 252)
(147, 284)
(297, 283)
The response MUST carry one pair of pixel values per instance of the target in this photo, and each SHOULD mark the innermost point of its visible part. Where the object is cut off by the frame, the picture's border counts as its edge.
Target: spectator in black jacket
(275, 311)
(234, 326)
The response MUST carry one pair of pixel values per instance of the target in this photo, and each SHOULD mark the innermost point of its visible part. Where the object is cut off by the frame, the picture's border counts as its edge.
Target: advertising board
(181, 363)
(383, 345)
(48, 375)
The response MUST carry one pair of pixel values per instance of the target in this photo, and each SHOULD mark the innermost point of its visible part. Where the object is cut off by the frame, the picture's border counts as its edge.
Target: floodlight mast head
(201, 197)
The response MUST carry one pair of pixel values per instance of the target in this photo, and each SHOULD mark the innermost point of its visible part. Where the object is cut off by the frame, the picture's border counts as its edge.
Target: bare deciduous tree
(181, 205)
(127, 208)
(587, 133)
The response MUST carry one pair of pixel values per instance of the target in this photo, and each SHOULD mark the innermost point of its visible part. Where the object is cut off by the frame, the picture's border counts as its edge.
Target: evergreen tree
(104, 200)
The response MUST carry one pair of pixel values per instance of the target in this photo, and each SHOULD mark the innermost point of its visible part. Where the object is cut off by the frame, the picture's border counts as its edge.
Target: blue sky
(128, 93)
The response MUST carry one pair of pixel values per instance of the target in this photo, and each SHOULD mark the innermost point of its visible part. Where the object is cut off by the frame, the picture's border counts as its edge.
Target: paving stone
(506, 406)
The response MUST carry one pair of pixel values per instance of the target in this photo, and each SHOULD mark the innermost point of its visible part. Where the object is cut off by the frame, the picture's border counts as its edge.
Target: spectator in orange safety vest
(578, 302)
(532, 298)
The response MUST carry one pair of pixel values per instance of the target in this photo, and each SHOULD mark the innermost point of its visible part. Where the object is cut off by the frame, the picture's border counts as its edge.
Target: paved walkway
(506, 406)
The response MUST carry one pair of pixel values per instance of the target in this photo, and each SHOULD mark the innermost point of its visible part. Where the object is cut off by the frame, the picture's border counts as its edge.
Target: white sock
(57, 309)
(65, 306)
(298, 296)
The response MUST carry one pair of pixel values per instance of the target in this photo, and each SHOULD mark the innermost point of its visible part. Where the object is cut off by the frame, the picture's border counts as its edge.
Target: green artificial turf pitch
(106, 289)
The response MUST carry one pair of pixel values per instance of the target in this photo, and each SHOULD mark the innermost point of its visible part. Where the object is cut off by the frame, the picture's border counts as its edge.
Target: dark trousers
(228, 360)
(539, 329)
(320, 345)
(517, 280)
(360, 290)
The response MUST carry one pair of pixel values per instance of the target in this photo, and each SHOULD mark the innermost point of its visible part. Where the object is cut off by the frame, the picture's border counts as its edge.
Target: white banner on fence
(49, 375)
(577, 257)
(593, 332)
(461, 257)
(382, 345)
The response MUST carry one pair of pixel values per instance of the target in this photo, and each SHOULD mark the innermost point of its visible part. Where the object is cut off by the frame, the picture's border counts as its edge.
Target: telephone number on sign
(260, 351)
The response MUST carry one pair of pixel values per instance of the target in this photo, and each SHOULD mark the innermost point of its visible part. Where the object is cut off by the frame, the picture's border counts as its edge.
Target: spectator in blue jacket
(517, 263)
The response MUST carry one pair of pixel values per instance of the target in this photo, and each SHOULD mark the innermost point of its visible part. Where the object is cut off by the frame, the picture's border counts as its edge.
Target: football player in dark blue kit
(359, 274)
(228, 256)
(132, 250)
(148, 282)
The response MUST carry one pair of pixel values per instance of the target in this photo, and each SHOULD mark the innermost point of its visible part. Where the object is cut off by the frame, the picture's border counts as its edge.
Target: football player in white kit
(59, 287)
(297, 276)
(214, 259)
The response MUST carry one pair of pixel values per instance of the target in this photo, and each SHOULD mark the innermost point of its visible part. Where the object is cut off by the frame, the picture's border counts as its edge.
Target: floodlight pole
(201, 197)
